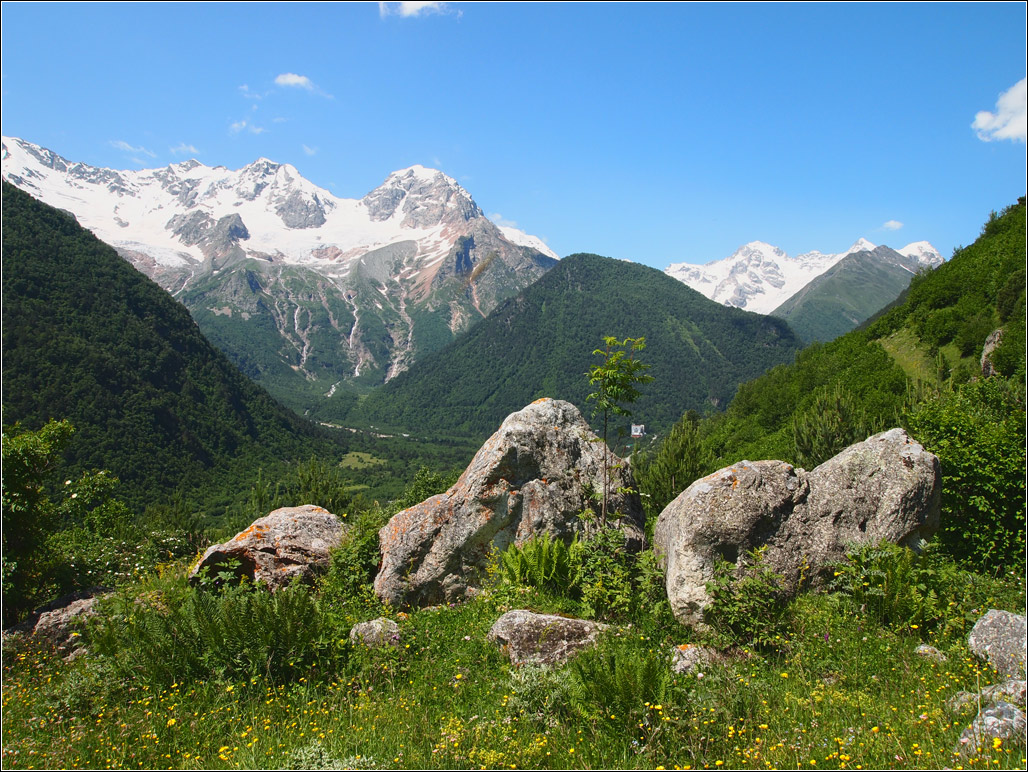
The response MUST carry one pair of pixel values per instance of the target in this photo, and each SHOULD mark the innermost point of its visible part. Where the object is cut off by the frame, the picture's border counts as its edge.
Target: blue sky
(658, 133)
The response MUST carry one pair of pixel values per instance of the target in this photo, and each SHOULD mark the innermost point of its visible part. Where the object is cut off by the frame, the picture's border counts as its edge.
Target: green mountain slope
(540, 343)
(847, 294)
(88, 338)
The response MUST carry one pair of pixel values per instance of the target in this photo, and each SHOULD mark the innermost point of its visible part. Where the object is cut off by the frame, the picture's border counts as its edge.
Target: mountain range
(305, 292)
(761, 277)
(321, 299)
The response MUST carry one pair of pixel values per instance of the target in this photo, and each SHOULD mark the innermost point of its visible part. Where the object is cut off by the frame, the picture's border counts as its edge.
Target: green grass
(835, 691)
(357, 460)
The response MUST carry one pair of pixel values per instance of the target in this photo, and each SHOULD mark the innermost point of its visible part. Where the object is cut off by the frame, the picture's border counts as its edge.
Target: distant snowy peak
(760, 277)
(924, 253)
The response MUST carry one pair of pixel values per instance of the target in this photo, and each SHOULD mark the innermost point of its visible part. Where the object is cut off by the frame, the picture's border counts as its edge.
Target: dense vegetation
(539, 343)
(214, 676)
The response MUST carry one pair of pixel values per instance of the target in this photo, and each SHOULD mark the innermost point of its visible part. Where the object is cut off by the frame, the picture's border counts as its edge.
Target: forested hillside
(88, 339)
(541, 342)
(848, 293)
(918, 364)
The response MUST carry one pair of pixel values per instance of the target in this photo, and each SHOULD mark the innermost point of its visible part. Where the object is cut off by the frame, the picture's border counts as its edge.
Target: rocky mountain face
(308, 293)
(760, 277)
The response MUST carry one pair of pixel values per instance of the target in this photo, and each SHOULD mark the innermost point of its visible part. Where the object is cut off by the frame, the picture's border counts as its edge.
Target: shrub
(171, 632)
(978, 433)
(747, 607)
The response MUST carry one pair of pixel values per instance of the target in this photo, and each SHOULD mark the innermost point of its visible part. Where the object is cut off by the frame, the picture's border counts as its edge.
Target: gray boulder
(542, 639)
(58, 621)
(533, 476)
(376, 633)
(991, 344)
(885, 488)
(1001, 721)
(289, 543)
(1000, 638)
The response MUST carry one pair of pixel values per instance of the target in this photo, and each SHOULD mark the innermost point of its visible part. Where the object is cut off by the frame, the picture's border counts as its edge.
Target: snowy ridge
(760, 277)
(288, 218)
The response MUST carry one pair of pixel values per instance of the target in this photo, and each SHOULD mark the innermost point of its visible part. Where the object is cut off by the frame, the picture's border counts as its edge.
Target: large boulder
(542, 639)
(885, 488)
(1000, 637)
(289, 543)
(535, 475)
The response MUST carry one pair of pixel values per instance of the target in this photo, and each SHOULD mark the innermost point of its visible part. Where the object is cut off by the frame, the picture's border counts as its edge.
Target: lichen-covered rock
(376, 633)
(535, 475)
(991, 344)
(289, 543)
(542, 639)
(1000, 638)
(885, 488)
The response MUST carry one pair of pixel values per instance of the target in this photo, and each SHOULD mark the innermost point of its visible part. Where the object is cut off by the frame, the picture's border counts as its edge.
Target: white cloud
(892, 225)
(1009, 121)
(293, 80)
(309, 150)
(245, 125)
(121, 144)
(183, 149)
(411, 9)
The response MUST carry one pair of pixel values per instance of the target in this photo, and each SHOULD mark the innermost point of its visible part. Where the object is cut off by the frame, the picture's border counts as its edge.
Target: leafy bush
(978, 433)
(747, 607)
(607, 574)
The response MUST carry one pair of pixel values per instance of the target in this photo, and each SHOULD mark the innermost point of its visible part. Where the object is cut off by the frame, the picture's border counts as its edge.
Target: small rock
(376, 633)
(930, 652)
(1000, 638)
(688, 657)
(542, 639)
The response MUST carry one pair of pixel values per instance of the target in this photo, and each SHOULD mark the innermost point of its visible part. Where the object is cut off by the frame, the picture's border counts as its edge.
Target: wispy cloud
(892, 225)
(309, 150)
(1009, 121)
(122, 145)
(502, 221)
(183, 149)
(408, 10)
(292, 80)
(248, 94)
(245, 125)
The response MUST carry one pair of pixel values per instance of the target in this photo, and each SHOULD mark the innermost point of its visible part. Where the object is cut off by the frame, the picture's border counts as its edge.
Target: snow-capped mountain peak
(760, 277)
(923, 252)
